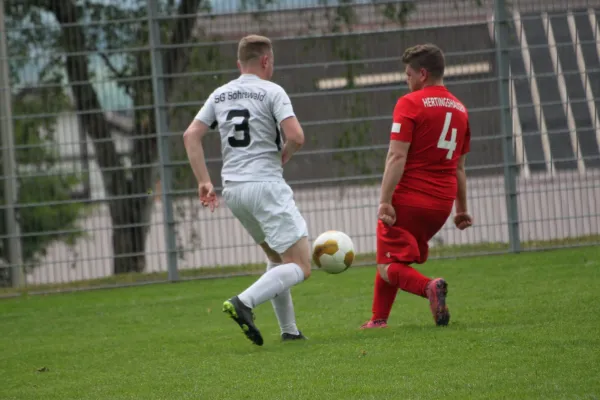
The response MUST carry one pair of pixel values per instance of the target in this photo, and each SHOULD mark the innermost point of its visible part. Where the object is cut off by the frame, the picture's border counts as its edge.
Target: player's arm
(394, 169)
(400, 139)
(294, 138)
(281, 107)
(192, 139)
(461, 175)
(461, 191)
(462, 220)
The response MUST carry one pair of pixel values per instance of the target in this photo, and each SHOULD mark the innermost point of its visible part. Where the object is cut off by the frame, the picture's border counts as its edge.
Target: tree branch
(175, 59)
(86, 98)
(118, 74)
(122, 125)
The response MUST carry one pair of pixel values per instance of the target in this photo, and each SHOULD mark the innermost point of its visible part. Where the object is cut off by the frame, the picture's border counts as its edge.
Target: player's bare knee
(303, 263)
(382, 268)
(299, 254)
(307, 270)
(271, 254)
(275, 258)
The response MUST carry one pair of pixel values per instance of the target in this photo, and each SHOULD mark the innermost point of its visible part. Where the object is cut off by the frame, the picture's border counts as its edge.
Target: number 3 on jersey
(449, 145)
(242, 126)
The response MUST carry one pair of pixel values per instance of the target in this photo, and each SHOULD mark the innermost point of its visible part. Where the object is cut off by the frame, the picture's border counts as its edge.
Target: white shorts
(268, 212)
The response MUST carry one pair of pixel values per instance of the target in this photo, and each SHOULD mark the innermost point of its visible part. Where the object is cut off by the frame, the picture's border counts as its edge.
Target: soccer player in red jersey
(424, 176)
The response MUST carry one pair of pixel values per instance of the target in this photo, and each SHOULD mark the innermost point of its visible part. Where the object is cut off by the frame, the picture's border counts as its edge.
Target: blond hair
(253, 47)
(427, 56)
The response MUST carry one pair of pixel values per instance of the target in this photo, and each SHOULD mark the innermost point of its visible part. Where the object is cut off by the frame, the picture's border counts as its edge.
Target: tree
(82, 38)
(351, 49)
(342, 17)
(44, 189)
(75, 33)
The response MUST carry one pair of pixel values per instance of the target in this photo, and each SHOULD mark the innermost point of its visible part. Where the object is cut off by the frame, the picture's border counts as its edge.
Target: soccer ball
(333, 252)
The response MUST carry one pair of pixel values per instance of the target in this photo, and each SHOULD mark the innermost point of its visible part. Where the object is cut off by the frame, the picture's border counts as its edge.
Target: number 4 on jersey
(449, 145)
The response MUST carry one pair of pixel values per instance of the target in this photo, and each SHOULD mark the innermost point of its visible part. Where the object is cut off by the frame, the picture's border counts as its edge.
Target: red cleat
(378, 323)
(437, 290)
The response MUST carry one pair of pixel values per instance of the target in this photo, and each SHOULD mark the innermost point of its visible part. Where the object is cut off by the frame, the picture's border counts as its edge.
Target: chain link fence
(96, 188)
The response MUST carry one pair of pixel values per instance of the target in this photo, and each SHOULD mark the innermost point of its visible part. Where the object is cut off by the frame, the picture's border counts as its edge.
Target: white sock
(284, 308)
(272, 283)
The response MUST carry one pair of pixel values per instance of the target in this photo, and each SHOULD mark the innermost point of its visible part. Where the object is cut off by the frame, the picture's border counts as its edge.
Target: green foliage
(348, 48)
(351, 49)
(111, 54)
(46, 213)
(398, 13)
(259, 5)
(49, 220)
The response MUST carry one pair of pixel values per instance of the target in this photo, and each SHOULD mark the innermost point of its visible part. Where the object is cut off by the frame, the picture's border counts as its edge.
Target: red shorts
(408, 240)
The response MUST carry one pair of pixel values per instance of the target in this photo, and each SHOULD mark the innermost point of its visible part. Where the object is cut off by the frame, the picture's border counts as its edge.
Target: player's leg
(407, 243)
(273, 207)
(384, 295)
(282, 303)
(403, 276)
(437, 288)
(397, 248)
(297, 254)
(284, 230)
(237, 197)
(272, 283)
(429, 223)
(403, 246)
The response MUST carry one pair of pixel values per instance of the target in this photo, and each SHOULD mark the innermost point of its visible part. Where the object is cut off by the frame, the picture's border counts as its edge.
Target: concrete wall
(550, 208)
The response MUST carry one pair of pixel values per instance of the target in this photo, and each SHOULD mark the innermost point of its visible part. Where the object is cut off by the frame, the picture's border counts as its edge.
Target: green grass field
(523, 326)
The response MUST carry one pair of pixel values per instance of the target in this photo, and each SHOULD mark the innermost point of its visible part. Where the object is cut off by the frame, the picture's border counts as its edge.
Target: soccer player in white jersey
(248, 112)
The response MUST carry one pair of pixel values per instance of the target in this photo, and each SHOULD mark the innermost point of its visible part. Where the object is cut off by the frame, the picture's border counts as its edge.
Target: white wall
(556, 208)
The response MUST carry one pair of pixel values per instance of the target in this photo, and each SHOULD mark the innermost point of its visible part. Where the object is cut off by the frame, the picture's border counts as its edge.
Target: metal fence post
(9, 167)
(163, 139)
(510, 174)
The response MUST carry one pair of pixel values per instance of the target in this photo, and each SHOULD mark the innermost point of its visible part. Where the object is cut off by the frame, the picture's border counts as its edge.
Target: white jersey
(248, 111)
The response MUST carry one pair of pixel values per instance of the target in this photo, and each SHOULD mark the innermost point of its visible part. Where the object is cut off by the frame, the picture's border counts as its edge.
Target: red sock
(383, 298)
(408, 279)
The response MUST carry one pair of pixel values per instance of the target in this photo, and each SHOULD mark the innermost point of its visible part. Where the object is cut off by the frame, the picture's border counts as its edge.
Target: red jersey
(437, 125)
